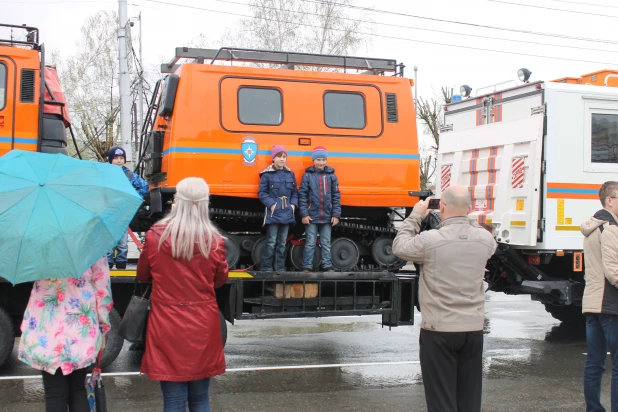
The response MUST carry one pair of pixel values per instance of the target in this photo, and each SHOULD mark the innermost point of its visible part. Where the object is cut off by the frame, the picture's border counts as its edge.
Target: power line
(431, 30)
(585, 4)
(554, 9)
(562, 36)
(385, 36)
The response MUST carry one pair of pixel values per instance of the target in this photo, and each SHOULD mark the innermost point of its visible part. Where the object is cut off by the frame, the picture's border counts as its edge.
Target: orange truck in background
(33, 112)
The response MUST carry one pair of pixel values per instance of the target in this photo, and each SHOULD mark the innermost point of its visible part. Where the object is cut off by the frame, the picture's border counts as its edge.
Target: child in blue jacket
(320, 207)
(279, 195)
(117, 156)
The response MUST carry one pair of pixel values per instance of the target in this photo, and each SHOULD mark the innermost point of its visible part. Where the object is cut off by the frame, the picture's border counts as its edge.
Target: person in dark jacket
(117, 156)
(320, 207)
(184, 256)
(279, 195)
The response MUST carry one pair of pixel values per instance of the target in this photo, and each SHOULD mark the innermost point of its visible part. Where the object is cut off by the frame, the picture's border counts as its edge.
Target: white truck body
(534, 158)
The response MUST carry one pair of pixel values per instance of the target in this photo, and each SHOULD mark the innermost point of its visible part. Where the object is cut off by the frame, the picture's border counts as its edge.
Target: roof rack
(32, 36)
(289, 59)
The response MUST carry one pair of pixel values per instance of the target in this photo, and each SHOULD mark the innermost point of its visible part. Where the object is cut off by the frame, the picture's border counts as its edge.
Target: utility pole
(140, 117)
(124, 83)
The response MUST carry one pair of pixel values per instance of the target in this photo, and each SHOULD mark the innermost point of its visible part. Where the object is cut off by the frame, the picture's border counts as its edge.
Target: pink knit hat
(278, 149)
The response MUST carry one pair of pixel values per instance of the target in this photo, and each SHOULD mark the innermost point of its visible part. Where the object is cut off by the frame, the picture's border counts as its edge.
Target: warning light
(560, 253)
(303, 141)
(534, 260)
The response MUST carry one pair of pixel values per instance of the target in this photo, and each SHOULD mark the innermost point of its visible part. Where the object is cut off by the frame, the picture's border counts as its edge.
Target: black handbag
(133, 324)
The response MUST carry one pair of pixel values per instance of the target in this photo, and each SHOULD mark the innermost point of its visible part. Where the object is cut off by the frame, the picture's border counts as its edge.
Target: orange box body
(377, 165)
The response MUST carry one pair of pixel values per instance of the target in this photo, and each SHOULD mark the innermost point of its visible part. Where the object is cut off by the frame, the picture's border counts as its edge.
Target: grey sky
(166, 27)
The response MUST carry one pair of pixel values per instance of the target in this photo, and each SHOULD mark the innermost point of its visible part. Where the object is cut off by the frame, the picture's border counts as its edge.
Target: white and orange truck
(534, 155)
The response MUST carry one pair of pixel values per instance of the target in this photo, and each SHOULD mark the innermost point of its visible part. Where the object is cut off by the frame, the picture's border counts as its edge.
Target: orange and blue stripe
(18, 140)
(230, 151)
(573, 191)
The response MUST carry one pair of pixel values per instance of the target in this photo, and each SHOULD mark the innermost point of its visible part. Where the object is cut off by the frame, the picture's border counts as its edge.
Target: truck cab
(33, 115)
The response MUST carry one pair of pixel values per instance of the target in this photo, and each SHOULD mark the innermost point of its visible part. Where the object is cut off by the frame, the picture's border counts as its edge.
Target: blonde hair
(188, 222)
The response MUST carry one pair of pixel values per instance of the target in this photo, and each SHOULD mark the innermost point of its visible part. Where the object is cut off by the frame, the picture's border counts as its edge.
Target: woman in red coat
(184, 256)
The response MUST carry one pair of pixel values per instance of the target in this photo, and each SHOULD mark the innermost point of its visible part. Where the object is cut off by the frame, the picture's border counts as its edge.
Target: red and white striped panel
(446, 177)
(518, 172)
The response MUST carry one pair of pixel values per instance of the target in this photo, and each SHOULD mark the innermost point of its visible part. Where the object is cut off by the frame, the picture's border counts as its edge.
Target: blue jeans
(276, 235)
(176, 395)
(311, 235)
(122, 248)
(601, 337)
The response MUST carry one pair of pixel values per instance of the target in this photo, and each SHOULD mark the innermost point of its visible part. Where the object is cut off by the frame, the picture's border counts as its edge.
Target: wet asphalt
(531, 363)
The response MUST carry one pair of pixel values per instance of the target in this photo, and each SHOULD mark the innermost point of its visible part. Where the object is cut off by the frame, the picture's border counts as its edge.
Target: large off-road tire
(566, 313)
(113, 341)
(223, 328)
(7, 336)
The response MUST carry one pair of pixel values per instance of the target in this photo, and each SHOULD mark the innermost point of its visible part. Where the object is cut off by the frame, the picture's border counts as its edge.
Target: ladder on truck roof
(289, 59)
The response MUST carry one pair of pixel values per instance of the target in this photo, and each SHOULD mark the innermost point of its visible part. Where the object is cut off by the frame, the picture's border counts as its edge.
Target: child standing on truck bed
(278, 193)
(117, 156)
(320, 207)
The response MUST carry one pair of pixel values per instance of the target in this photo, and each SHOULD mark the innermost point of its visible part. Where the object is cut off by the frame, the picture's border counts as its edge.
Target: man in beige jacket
(452, 299)
(600, 303)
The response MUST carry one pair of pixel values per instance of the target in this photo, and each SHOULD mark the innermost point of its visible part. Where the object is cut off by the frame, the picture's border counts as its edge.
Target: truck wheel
(7, 336)
(113, 341)
(223, 328)
(566, 313)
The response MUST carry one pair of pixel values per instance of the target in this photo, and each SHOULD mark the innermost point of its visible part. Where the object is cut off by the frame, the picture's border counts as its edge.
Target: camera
(434, 204)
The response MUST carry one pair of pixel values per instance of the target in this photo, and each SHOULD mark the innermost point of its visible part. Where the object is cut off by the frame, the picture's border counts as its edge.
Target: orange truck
(217, 114)
(33, 115)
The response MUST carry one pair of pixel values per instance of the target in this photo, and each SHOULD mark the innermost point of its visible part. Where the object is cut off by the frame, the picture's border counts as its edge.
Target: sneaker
(306, 270)
(111, 266)
(324, 269)
(121, 265)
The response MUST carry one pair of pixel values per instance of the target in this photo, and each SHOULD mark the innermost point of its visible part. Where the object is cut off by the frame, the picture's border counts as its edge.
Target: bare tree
(323, 27)
(430, 113)
(89, 79)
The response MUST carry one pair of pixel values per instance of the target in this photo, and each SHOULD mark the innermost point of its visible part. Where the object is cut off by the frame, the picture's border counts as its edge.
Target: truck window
(344, 110)
(260, 105)
(2, 86)
(604, 138)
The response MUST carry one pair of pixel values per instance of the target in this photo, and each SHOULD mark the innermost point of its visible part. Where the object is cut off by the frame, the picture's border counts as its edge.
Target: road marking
(509, 311)
(252, 369)
(332, 365)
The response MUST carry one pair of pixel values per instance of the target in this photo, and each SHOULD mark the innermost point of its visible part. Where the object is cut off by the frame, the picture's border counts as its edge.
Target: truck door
(499, 161)
(7, 99)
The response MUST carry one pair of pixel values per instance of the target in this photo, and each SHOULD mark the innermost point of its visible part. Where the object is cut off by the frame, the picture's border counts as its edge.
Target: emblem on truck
(249, 151)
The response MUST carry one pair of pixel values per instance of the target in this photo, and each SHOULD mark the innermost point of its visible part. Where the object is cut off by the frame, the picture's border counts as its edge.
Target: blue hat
(319, 152)
(116, 151)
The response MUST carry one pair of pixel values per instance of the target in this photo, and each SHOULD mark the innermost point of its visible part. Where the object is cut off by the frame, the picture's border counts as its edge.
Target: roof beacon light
(465, 90)
(524, 75)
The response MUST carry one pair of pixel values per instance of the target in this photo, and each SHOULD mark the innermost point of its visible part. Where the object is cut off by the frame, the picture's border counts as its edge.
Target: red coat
(183, 337)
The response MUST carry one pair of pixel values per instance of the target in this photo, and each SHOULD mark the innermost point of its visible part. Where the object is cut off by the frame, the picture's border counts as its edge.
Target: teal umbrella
(59, 215)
